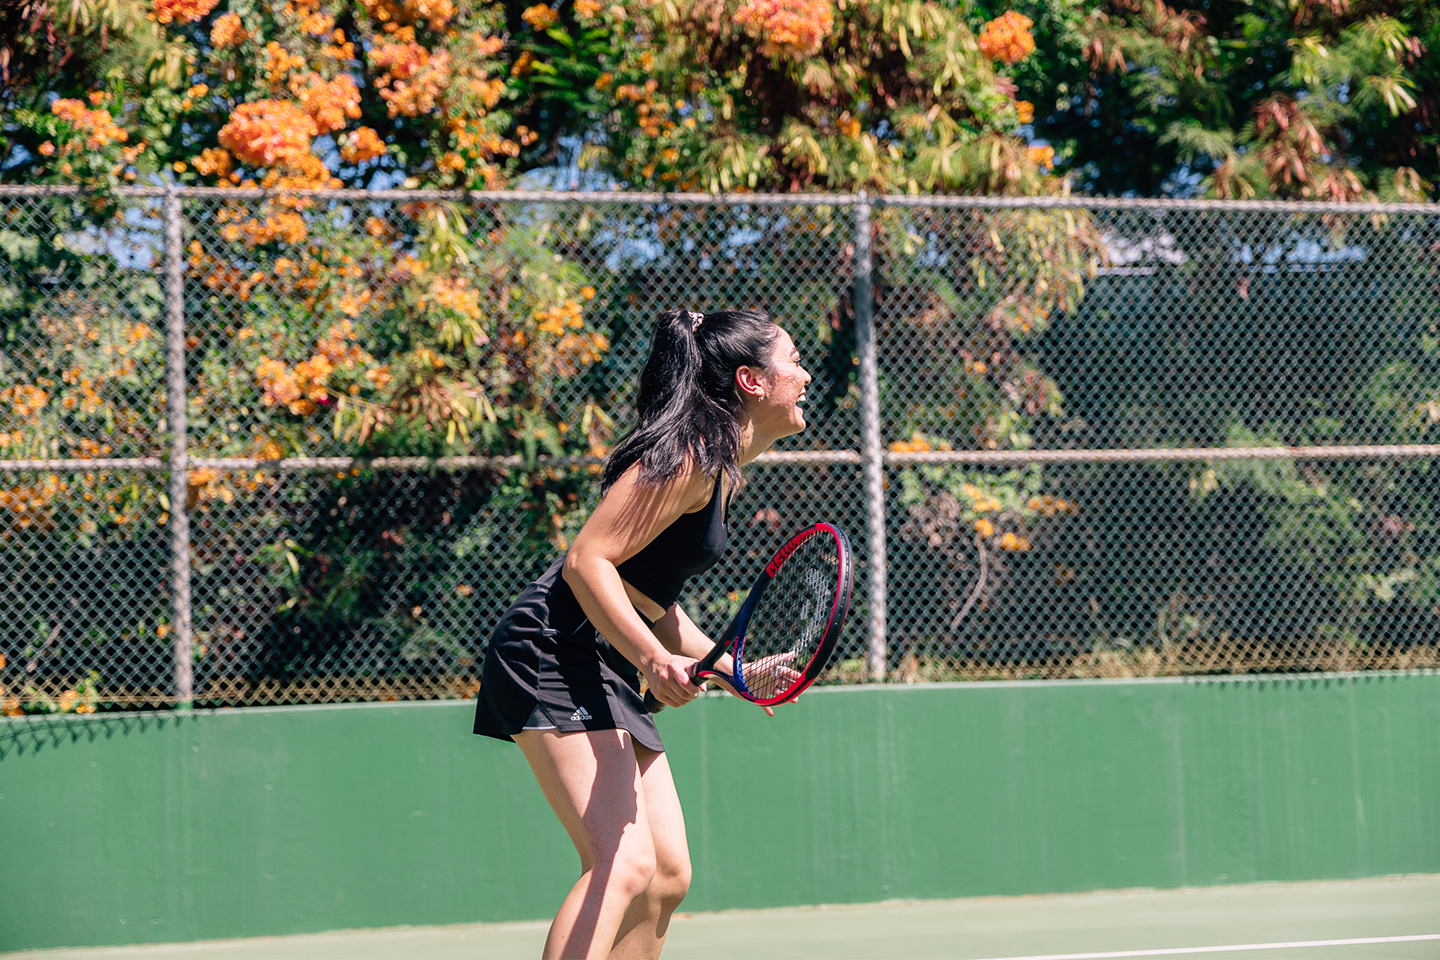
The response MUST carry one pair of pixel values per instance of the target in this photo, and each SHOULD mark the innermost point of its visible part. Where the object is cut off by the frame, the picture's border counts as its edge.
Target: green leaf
(18, 246)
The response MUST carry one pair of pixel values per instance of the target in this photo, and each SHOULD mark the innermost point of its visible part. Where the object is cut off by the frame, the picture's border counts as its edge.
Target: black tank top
(687, 548)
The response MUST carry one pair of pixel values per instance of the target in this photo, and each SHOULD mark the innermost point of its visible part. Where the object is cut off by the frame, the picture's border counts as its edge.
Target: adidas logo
(581, 714)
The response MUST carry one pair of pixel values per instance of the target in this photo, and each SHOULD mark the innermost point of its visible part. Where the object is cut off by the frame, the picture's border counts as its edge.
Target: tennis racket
(787, 627)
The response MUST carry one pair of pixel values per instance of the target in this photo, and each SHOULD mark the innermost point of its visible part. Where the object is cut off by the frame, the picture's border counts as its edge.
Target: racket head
(788, 626)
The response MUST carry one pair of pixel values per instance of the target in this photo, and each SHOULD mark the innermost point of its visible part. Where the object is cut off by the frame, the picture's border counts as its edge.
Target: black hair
(688, 403)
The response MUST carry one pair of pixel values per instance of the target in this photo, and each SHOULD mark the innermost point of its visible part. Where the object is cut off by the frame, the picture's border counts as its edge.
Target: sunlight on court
(1398, 916)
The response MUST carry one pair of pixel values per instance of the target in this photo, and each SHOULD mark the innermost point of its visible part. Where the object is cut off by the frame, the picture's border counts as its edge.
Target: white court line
(1171, 951)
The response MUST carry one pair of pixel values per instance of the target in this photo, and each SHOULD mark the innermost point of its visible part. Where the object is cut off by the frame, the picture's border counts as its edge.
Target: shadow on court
(1319, 920)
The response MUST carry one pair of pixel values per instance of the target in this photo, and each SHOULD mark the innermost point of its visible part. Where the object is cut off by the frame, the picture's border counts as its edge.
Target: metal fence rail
(1070, 436)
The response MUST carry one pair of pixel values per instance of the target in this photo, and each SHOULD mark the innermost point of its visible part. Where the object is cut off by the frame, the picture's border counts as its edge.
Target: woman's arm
(678, 633)
(629, 516)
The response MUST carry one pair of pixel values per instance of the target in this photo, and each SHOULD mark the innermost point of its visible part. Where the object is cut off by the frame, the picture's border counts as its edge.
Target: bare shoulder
(689, 487)
(634, 511)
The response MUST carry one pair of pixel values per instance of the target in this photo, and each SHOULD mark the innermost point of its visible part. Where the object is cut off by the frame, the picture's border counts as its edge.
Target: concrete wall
(160, 827)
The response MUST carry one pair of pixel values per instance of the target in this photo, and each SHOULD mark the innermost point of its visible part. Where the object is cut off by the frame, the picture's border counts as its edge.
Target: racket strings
(787, 627)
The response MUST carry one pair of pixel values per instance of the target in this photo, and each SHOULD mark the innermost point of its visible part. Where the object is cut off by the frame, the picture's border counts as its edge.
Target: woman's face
(784, 381)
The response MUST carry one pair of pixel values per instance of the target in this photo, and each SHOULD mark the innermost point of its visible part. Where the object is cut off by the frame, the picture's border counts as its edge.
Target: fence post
(175, 390)
(871, 451)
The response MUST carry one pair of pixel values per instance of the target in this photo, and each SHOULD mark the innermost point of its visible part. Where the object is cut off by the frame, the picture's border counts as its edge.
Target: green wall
(282, 820)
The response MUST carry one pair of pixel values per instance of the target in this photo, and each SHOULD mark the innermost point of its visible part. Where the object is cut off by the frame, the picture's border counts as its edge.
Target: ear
(749, 384)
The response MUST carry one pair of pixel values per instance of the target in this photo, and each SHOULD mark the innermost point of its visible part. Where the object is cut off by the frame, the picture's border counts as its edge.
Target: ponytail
(688, 405)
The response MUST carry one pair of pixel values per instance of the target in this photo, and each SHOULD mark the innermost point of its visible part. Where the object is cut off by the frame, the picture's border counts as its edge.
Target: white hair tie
(695, 320)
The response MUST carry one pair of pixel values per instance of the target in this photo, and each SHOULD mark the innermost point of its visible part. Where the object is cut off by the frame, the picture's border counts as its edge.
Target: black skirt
(546, 666)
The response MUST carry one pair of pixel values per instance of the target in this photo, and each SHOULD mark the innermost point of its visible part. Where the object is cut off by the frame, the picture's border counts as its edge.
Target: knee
(671, 883)
(631, 871)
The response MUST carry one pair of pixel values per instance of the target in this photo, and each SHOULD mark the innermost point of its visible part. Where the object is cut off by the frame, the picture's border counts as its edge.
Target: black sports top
(687, 548)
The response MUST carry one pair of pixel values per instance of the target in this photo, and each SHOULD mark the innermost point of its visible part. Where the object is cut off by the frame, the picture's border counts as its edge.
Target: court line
(1171, 951)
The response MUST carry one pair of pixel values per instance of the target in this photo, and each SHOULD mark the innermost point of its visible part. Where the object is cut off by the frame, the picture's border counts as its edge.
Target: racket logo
(779, 559)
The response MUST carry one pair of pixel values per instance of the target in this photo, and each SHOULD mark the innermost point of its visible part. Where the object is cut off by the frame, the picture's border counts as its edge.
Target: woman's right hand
(669, 680)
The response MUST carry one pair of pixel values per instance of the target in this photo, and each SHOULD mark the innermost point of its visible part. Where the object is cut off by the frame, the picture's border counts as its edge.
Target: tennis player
(562, 674)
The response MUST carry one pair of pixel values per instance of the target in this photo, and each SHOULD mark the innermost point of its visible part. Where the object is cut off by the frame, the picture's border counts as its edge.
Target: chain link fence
(1069, 438)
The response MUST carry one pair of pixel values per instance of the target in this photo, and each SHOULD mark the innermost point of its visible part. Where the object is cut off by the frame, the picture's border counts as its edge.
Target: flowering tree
(786, 94)
(314, 327)
(790, 93)
(313, 95)
(434, 328)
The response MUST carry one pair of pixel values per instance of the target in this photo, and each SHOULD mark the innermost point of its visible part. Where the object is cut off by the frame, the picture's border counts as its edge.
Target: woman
(562, 674)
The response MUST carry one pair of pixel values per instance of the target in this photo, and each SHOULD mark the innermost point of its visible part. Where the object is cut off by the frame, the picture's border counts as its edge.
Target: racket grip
(653, 705)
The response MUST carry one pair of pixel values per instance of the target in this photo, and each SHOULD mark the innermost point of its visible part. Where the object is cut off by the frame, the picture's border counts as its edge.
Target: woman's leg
(642, 932)
(594, 785)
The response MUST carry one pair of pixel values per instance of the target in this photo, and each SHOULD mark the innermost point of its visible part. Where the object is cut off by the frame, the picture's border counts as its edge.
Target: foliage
(788, 95)
(1319, 99)
(82, 698)
(433, 328)
(383, 334)
(974, 521)
(1291, 551)
(291, 95)
(385, 577)
(420, 328)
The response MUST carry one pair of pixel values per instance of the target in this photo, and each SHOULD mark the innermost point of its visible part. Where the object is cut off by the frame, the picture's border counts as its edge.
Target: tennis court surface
(1391, 917)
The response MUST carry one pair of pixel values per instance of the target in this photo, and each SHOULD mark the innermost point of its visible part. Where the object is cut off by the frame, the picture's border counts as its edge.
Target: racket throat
(709, 668)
